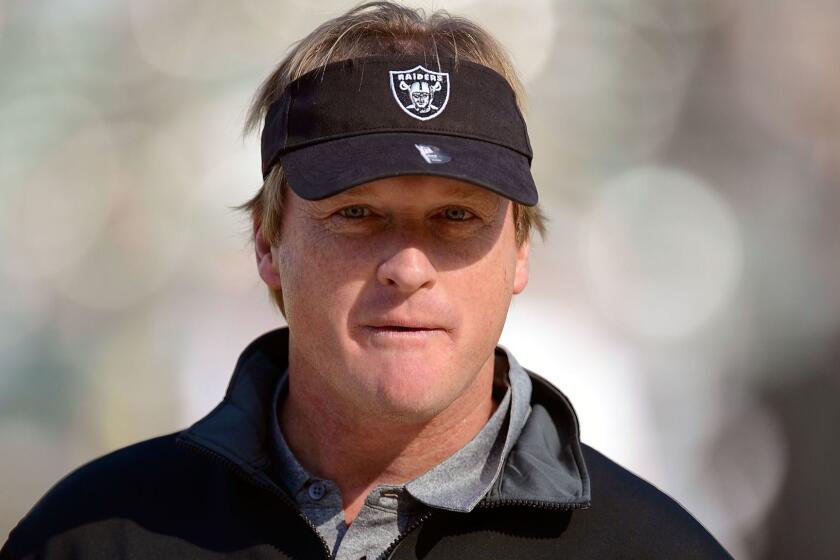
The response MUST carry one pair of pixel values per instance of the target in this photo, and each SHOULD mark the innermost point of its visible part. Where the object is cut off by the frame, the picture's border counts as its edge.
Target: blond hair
(375, 28)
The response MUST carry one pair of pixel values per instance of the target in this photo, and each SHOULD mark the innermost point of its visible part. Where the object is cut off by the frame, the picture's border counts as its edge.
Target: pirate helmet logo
(419, 92)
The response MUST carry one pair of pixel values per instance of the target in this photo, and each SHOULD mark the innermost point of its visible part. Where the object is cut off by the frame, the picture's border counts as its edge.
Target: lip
(392, 337)
(403, 324)
(402, 332)
(402, 328)
(398, 324)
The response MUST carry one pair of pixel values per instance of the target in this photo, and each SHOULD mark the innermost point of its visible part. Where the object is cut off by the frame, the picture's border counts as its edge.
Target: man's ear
(266, 264)
(520, 277)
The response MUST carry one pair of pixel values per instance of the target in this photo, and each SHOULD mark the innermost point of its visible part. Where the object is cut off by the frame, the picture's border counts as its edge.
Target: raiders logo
(419, 92)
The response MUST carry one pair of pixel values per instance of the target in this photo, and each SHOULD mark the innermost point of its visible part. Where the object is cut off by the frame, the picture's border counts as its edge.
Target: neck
(334, 440)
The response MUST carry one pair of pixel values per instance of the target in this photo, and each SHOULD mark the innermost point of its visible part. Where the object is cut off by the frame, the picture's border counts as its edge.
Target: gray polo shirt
(456, 484)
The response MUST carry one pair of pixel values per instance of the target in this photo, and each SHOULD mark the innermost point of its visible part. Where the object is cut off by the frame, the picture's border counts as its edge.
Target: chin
(408, 409)
(412, 390)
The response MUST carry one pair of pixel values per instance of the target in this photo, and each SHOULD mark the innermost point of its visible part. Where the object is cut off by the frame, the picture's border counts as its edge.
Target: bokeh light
(663, 252)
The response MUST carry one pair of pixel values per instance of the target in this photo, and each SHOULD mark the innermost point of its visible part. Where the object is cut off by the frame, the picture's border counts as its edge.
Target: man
(393, 230)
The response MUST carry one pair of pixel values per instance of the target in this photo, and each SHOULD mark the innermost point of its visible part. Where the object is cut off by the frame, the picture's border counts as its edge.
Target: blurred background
(685, 298)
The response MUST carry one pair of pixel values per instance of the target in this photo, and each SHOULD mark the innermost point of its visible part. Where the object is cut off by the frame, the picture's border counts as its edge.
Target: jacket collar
(545, 466)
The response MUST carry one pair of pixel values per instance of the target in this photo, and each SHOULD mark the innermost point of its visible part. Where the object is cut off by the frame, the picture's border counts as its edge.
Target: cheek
(321, 277)
(483, 292)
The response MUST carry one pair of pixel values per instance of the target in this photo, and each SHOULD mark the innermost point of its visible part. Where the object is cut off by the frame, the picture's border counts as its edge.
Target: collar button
(317, 490)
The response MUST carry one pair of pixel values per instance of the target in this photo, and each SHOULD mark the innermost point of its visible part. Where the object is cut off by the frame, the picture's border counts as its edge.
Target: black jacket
(204, 493)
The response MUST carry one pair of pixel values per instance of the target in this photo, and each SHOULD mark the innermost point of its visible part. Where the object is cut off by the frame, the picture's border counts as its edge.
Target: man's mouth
(398, 328)
(403, 330)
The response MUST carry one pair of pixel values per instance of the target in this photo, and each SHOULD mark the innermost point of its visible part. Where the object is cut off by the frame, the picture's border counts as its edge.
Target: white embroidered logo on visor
(432, 154)
(421, 93)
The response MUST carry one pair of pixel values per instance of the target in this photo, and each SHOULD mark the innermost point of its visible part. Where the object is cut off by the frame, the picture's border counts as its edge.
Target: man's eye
(354, 212)
(457, 214)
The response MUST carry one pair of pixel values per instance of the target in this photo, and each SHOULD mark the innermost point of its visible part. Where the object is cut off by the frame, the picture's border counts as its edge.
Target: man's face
(396, 291)
(420, 99)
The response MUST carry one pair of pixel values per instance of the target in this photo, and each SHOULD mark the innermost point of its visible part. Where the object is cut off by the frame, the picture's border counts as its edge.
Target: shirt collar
(285, 468)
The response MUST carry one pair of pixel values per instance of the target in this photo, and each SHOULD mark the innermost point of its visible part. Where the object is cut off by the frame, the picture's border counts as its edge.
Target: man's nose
(409, 269)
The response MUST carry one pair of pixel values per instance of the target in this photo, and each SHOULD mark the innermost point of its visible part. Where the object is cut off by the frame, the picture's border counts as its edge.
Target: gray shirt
(456, 484)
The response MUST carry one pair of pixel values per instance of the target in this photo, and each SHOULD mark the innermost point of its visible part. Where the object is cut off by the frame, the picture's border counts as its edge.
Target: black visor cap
(360, 120)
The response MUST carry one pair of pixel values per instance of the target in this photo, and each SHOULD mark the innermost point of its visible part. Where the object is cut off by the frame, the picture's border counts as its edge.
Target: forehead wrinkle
(353, 193)
(473, 192)
(454, 189)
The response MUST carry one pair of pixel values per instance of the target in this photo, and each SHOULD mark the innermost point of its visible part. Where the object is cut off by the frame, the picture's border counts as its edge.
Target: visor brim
(328, 168)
